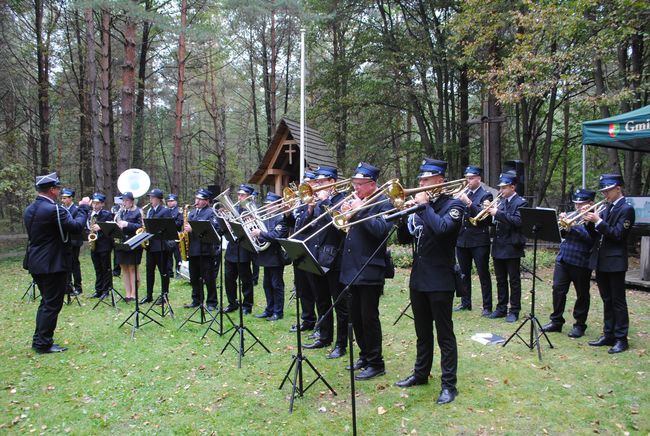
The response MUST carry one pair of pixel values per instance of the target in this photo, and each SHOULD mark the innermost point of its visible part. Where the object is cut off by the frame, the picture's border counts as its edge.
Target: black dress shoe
(486, 313)
(303, 327)
(619, 346)
(370, 372)
(447, 396)
(274, 317)
(54, 348)
(552, 327)
(359, 364)
(191, 305)
(263, 315)
(146, 300)
(602, 341)
(159, 301)
(314, 336)
(409, 381)
(497, 314)
(316, 344)
(247, 310)
(212, 308)
(512, 317)
(336, 353)
(462, 307)
(577, 332)
(230, 308)
(97, 294)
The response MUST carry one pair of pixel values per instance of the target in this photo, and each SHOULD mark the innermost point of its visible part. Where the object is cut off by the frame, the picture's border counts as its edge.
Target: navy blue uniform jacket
(156, 245)
(272, 256)
(479, 235)
(361, 241)
(198, 248)
(74, 210)
(609, 253)
(435, 256)
(47, 252)
(326, 246)
(508, 241)
(231, 251)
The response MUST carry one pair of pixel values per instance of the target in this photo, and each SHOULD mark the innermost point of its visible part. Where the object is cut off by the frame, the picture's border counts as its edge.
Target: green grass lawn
(170, 381)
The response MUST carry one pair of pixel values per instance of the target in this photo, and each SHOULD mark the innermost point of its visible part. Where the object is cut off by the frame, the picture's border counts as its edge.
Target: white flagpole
(302, 104)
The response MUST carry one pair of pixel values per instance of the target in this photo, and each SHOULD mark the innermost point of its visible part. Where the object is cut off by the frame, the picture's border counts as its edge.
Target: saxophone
(183, 237)
(142, 229)
(92, 236)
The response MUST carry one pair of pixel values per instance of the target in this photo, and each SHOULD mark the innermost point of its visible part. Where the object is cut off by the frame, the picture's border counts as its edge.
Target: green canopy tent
(629, 131)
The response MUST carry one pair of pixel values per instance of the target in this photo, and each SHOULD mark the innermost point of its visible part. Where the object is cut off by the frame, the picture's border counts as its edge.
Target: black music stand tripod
(30, 293)
(132, 244)
(112, 231)
(242, 238)
(408, 238)
(304, 260)
(540, 223)
(205, 232)
(163, 229)
(231, 239)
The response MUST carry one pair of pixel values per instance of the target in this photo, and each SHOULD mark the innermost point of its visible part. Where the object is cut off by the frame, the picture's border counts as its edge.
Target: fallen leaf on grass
(568, 386)
(381, 410)
(322, 409)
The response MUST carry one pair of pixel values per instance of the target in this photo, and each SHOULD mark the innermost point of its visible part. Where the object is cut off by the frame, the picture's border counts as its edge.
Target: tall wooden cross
(290, 151)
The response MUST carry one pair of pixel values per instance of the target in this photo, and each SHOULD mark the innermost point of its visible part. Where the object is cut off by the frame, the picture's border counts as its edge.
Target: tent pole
(584, 166)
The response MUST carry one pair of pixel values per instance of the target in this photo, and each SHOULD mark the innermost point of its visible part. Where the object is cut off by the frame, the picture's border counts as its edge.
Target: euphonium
(474, 220)
(183, 237)
(92, 236)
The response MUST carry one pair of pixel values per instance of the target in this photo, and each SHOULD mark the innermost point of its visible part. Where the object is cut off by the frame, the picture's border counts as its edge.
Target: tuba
(136, 182)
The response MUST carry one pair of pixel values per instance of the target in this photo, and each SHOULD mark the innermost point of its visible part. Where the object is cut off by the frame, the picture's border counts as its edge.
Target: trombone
(307, 192)
(474, 220)
(401, 197)
(290, 197)
(576, 218)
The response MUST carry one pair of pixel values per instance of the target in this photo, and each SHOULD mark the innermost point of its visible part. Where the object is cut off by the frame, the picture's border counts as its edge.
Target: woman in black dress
(129, 219)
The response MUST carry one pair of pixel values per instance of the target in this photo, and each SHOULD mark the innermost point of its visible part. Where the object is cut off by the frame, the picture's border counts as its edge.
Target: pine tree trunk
(91, 89)
(128, 87)
(178, 132)
(42, 61)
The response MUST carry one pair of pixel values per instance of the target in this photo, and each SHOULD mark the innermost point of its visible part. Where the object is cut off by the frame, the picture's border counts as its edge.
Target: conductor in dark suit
(159, 251)
(49, 255)
(572, 266)
(508, 248)
(67, 199)
(432, 282)
(609, 258)
(360, 243)
(474, 241)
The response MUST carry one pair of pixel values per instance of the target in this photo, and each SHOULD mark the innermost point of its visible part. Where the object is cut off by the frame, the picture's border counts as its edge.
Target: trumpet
(307, 192)
(474, 220)
(576, 218)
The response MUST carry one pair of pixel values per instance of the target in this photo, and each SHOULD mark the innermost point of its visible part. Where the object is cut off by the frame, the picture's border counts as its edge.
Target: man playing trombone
(432, 281)
(572, 266)
(360, 243)
(474, 241)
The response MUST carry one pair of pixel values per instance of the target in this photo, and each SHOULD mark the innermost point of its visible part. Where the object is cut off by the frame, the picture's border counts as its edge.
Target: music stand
(205, 232)
(162, 229)
(30, 293)
(231, 239)
(303, 259)
(132, 244)
(243, 241)
(73, 295)
(112, 231)
(540, 223)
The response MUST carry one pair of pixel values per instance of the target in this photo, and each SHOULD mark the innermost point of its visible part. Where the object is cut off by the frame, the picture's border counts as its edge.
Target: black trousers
(53, 288)
(508, 270)
(563, 275)
(319, 287)
(274, 290)
(431, 308)
(233, 270)
(307, 300)
(364, 310)
(157, 259)
(103, 271)
(612, 290)
(481, 257)
(204, 270)
(173, 261)
(74, 277)
(330, 287)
